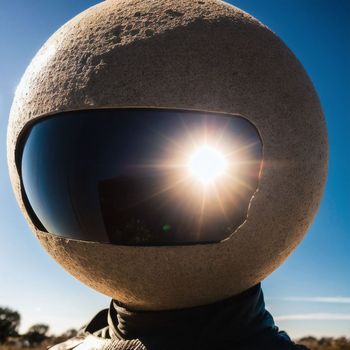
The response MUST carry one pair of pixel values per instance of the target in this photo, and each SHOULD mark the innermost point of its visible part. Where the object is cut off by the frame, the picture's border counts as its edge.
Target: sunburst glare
(207, 164)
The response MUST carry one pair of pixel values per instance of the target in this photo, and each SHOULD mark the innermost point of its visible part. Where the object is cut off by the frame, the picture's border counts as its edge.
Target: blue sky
(310, 292)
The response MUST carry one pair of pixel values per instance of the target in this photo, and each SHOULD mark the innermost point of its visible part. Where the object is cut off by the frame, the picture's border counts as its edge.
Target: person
(171, 155)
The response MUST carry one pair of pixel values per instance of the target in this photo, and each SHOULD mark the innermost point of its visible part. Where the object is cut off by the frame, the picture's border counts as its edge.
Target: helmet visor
(140, 176)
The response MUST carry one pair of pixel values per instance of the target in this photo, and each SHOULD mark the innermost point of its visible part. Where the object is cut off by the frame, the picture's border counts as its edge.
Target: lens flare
(206, 164)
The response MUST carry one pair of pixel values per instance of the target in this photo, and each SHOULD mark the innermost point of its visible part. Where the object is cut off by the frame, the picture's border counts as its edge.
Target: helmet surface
(201, 56)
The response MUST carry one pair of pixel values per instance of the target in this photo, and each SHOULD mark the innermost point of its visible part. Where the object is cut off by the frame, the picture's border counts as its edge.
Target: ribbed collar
(235, 318)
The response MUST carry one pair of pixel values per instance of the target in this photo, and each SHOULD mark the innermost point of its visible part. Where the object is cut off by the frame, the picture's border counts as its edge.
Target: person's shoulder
(95, 336)
(92, 336)
(272, 340)
(94, 342)
(279, 341)
(289, 344)
(87, 341)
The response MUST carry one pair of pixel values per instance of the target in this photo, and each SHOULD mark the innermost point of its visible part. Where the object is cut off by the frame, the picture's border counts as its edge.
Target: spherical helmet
(102, 117)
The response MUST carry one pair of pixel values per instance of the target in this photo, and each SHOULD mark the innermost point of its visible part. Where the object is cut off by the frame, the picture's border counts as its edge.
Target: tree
(9, 322)
(70, 333)
(36, 334)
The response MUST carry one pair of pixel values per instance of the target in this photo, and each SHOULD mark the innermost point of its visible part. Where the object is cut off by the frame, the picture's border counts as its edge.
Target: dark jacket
(237, 323)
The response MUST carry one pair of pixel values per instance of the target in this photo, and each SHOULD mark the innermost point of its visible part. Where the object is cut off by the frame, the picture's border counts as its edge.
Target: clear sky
(310, 292)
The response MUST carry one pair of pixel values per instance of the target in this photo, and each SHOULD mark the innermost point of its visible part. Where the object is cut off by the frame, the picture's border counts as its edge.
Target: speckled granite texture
(201, 55)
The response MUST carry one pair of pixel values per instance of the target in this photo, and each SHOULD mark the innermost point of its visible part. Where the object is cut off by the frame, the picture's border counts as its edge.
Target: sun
(207, 164)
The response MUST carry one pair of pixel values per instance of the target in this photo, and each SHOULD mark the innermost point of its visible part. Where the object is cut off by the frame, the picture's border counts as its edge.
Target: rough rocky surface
(202, 55)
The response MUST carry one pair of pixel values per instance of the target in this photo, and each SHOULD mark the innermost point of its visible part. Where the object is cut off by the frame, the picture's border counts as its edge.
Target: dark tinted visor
(140, 177)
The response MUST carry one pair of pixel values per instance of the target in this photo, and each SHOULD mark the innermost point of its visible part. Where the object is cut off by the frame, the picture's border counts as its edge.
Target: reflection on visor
(141, 176)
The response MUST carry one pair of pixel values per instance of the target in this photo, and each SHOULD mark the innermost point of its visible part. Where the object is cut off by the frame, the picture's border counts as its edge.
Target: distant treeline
(326, 343)
(36, 335)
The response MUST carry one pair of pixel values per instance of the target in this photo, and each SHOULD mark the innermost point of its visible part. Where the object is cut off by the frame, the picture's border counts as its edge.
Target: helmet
(167, 153)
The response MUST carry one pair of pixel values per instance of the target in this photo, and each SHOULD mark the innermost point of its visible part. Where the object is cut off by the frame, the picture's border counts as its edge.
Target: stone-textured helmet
(167, 153)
